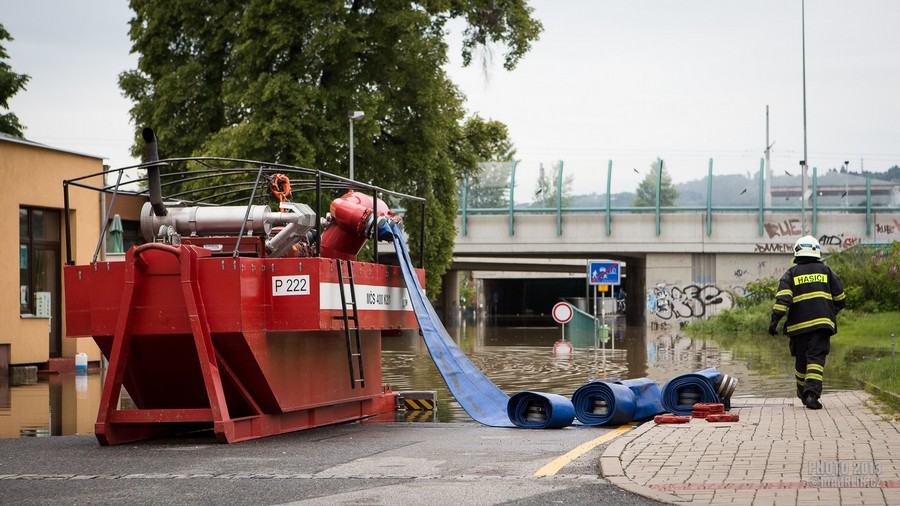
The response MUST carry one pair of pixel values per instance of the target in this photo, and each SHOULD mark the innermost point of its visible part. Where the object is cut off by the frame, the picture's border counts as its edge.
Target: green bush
(871, 276)
(758, 291)
(746, 319)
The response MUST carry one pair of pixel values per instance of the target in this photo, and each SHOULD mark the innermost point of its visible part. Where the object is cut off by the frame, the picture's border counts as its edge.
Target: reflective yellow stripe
(816, 377)
(810, 323)
(840, 296)
(787, 292)
(780, 307)
(810, 278)
(799, 374)
(814, 367)
(812, 295)
(801, 382)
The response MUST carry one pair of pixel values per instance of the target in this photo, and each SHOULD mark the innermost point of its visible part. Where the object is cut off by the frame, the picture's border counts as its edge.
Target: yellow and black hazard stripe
(419, 416)
(418, 404)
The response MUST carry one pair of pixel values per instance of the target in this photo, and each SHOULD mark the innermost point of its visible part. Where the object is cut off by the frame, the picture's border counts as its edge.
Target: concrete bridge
(680, 264)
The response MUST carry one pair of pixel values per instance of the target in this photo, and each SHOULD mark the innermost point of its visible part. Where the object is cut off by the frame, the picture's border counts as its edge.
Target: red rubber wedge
(671, 419)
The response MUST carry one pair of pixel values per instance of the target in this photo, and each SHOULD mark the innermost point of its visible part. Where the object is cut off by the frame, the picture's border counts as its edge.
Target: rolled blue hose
(536, 410)
(625, 401)
(701, 382)
(647, 398)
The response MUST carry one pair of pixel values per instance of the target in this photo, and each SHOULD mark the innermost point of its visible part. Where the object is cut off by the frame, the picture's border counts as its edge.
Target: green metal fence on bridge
(505, 188)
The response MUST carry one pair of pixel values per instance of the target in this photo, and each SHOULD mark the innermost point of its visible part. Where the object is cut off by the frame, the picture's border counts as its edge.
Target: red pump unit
(355, 220)
(243, 343)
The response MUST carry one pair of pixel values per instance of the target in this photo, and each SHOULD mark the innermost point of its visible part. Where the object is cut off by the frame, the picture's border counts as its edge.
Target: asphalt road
(371, 464)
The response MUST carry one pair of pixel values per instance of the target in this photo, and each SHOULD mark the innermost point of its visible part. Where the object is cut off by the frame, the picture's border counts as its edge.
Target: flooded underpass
(514, 358)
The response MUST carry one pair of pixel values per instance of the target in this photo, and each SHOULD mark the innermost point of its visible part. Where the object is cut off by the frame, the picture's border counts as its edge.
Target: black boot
(811, 401)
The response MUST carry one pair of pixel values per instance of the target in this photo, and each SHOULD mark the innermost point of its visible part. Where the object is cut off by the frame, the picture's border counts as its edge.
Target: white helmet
(807, 246)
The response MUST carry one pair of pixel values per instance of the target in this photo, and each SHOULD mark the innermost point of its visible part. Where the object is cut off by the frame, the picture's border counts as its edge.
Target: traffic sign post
(562, 313)
(602, 273)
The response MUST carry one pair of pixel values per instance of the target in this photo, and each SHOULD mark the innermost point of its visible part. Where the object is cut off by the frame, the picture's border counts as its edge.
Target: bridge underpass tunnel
(525, 300)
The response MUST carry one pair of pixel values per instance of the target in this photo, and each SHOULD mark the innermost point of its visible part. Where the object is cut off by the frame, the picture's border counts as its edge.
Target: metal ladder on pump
(351, 316)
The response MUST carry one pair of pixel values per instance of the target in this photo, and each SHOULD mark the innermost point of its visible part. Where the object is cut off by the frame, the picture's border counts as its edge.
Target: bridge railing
(518, 188)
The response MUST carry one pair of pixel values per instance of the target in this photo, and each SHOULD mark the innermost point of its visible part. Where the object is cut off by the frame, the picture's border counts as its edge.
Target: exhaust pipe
(151, 154)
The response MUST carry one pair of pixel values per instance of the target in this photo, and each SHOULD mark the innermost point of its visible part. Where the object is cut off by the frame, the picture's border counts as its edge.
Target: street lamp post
(354, 115)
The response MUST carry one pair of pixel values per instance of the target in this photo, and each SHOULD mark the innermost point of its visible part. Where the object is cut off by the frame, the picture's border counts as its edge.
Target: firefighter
(811, 294)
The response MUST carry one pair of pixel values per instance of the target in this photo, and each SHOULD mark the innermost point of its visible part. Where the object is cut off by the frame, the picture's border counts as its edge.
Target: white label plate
(290, 285)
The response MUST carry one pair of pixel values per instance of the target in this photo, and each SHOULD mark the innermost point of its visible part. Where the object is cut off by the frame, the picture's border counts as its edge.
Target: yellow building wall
(32, 176)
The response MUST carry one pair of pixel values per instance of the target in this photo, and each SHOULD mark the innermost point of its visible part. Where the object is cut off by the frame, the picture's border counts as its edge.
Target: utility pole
(767, 184)
(805, 161)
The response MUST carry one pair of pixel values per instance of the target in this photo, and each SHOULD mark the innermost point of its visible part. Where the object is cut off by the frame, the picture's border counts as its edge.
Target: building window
(38, 261)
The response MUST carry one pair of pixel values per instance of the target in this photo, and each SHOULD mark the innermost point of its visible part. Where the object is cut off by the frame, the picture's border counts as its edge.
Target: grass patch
(868, 329)
(882, 374)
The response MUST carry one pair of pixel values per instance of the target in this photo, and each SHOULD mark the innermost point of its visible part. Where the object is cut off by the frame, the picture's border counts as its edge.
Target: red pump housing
(354, 220)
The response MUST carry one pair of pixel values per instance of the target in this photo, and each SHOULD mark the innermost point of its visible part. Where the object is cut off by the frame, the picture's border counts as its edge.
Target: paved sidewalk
(779, 453)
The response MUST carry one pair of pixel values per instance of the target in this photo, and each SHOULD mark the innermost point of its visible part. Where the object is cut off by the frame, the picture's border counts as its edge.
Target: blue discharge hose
(477, 395)
(681, 392)
(615, 403)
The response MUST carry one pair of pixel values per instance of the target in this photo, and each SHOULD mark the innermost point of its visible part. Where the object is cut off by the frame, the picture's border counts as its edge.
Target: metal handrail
(311, 180)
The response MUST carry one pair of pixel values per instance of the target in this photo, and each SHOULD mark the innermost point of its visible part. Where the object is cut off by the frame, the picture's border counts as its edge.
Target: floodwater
(514, 358)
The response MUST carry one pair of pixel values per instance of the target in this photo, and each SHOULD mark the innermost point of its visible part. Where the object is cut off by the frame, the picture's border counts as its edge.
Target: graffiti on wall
(784, 228)
(791, 229)
(686, 302)
(887, 231)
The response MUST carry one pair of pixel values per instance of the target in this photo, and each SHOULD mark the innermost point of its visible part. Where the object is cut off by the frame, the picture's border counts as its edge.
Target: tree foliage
(274, 80)
(547, 189)
(645, 196)
(10, 84)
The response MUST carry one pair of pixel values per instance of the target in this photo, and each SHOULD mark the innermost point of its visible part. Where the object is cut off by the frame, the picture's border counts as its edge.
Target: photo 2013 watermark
(843, 474)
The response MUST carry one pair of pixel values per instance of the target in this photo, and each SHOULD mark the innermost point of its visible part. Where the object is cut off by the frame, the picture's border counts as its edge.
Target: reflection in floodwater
(55, 405)
(514, 358)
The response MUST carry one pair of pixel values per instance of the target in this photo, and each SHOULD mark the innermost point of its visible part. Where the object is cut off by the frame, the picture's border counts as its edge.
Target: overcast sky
(621, 80)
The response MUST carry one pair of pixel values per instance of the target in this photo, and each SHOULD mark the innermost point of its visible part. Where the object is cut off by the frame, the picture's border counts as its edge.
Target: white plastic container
(81, 362)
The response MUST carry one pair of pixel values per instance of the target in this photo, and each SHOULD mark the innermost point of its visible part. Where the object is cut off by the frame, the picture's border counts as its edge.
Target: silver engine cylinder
(213, 221)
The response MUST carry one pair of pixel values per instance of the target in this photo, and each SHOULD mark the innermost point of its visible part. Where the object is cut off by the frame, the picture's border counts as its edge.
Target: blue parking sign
(603, 272)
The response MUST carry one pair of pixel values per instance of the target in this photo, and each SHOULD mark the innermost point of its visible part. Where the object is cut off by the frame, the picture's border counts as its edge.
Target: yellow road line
(554, 467)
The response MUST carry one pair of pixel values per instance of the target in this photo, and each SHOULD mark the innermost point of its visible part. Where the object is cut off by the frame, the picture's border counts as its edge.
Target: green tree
(489, 188)
(488, 146)
(545, 195)
(10, 84)
(274, 80)
(645, 196)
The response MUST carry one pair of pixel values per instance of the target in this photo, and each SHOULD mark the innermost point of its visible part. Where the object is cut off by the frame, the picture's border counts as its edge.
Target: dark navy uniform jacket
(811, 294)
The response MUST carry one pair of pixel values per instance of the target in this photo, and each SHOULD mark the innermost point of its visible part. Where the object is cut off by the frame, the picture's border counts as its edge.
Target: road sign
(562, 312)
(603, 273)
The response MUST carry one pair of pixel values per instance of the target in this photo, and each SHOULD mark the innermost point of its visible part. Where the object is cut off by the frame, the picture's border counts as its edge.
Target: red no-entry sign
(562, 312)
